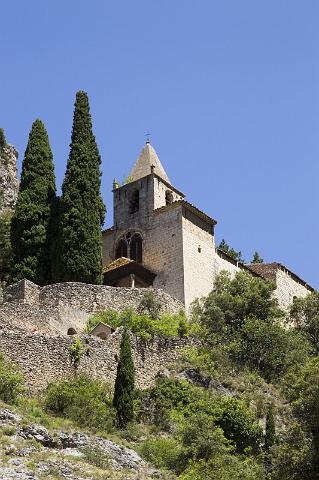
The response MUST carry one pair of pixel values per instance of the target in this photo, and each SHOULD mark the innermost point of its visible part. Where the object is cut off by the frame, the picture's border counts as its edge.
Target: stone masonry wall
(198, 254)
(56, 308)
(44, 359)
(288, 288)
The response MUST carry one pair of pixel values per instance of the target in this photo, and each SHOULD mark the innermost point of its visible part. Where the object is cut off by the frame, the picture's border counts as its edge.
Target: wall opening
(71, 331)
(136, 248)
(169, 197)
(135, 201)
(121, 249)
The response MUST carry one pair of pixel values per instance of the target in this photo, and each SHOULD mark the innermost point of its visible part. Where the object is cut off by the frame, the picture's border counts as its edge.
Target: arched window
(168, 197)
(121, 249)
(136, 249)
(135, 201)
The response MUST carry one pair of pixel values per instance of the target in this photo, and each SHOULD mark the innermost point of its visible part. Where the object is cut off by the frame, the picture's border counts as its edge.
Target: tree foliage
(257, 258)
(304, 314)
(31, 234)
(233, 300)
(142, 324)
(5, 247)
(270, 436)
(82, 210)
(230, 251)
(124, 383)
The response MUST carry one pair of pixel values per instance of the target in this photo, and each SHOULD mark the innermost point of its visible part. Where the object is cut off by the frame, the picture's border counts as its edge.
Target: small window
(71, 331)
(121, 249)
(168, 197)
(135, 201)
(136, 249)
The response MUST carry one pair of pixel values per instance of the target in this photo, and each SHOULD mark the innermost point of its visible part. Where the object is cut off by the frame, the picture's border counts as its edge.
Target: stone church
(160, 240)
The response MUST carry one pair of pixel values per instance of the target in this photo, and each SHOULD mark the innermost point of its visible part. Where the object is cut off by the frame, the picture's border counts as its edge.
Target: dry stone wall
(44, 359)
(56, 308)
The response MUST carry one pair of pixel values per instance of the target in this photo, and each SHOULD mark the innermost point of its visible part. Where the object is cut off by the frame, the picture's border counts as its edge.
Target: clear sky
(229, 91)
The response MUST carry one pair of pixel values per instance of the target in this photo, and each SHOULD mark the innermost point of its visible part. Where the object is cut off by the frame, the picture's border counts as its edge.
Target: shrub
(142, 325)
(76, 350)
(11, 381)
(96, 456)
(84, 400)
(161, 452)
(169, 396)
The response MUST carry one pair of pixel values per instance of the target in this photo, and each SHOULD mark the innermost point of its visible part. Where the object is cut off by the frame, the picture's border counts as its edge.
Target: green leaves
(81, 210)
(31, 230)
(124, 383)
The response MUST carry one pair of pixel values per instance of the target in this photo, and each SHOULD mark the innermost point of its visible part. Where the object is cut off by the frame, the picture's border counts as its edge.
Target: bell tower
(148, 188)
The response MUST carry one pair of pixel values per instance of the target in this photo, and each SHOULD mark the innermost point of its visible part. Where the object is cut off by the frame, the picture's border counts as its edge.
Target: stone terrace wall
(95, 298)
(56, 308)
(43, 358)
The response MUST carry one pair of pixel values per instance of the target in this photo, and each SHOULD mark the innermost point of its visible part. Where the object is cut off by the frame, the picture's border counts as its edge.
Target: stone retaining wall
(56, 308)
(44, 359)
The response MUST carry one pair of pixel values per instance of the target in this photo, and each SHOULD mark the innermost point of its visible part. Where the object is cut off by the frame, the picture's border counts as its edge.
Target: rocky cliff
(9, 183)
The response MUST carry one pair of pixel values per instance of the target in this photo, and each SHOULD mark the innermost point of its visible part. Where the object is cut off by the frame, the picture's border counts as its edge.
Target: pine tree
(257, 258)
(81, 208)
(3, 141)
(270, 428)
(31, 222)
(124, 383)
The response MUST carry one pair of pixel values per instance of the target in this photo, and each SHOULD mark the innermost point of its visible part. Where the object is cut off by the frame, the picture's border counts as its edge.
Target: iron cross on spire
(148, 137)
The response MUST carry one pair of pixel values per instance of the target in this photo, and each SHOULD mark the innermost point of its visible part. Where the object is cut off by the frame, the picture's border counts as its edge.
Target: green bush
(142, 325)
(11, 381)
(96, 456)
(161, 452)
(84, 400)
(171, 398)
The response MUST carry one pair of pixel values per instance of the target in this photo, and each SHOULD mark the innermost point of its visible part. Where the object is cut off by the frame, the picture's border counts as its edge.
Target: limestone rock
(9, 183)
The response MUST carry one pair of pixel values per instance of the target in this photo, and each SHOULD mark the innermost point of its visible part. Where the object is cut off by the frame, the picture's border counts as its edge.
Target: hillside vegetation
(240, 404)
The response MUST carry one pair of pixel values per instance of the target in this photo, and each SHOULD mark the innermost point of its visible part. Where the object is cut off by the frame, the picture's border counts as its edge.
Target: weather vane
(148, 137)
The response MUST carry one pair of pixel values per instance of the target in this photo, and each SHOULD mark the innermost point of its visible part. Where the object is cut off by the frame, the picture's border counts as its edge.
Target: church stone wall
(160, 189)
(223, 264)
(198, 254)
(163, 251)
(288, 288)
(44, 359)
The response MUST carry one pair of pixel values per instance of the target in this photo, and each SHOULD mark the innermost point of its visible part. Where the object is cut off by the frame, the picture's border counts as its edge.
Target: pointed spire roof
(148, 162)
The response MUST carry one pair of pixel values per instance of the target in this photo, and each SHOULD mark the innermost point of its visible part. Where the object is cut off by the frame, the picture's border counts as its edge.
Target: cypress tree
(124, 383)
(31, 222)
(3, 141)
(257, 258)
(270, 436)
(81, 208)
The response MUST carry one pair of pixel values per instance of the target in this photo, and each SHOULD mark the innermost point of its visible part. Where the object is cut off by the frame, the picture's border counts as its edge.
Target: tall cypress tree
(81, 208)
(124, 383)
(31, 222)
(270, 436)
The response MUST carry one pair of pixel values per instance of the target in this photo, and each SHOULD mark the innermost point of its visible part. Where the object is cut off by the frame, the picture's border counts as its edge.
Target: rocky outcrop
(32, 451)
(9, 183)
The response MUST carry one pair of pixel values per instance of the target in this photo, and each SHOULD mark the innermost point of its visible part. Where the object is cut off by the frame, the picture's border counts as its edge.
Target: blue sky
(228, 89)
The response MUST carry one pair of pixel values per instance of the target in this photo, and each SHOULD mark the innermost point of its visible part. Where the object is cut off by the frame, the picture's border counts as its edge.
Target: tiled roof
(268, 271)
(108, 231)
(189, 207)
(119, 262)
